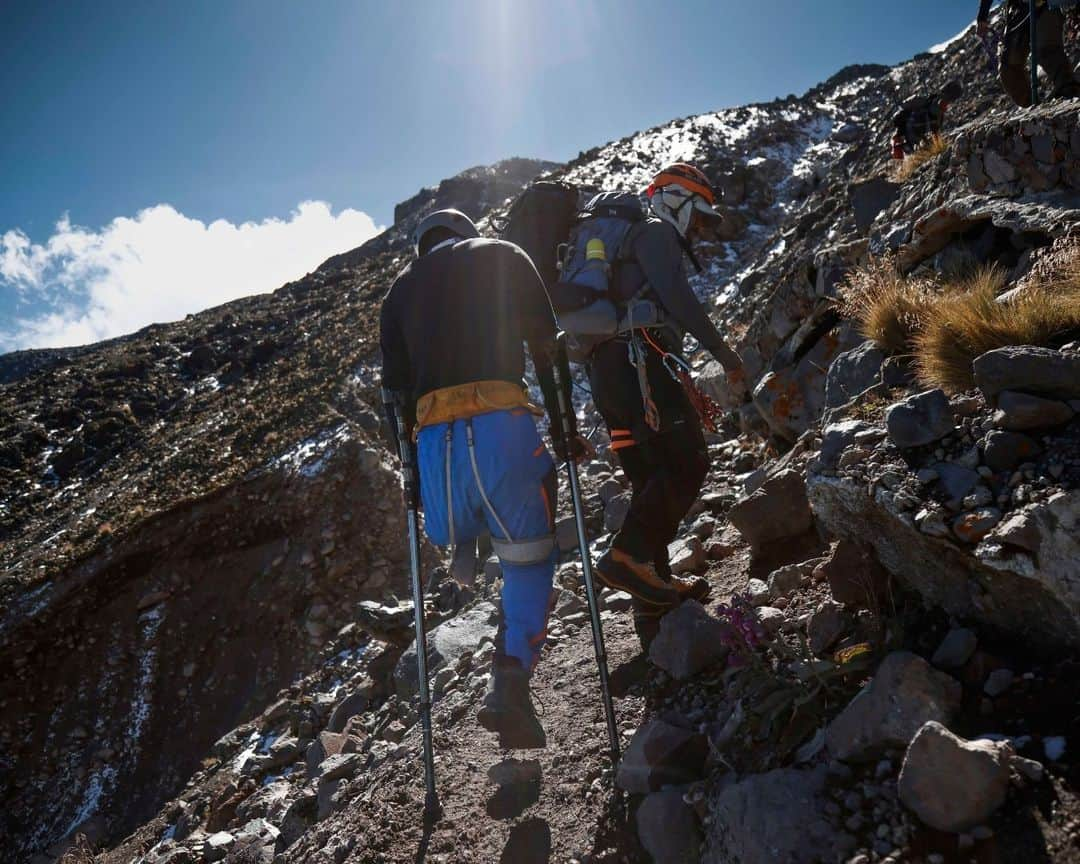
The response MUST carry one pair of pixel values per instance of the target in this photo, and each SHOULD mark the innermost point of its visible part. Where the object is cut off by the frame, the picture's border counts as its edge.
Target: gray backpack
(584, 307)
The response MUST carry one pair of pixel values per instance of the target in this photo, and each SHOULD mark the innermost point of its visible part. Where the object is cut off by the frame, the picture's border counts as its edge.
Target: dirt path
(563, 807)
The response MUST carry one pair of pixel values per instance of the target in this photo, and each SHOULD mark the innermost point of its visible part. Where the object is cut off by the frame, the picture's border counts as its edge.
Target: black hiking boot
(507, 708)
(620, 572)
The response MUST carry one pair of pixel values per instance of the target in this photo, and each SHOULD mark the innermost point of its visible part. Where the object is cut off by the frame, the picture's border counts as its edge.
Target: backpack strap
(689, 250)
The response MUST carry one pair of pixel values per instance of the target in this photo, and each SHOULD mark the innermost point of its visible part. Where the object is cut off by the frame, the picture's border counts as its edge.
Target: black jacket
(1012, 7)
(462, 313)
(653, 253)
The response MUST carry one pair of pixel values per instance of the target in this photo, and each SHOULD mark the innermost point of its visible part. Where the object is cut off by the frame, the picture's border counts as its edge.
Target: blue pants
(516, 474)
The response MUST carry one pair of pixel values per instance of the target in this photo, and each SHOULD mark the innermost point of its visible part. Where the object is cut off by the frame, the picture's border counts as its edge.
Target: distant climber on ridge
(921, 117)
(452, 331)
(654, 428)
(1016, 49)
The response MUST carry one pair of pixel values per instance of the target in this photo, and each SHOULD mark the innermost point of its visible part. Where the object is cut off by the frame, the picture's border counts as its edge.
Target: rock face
(952, 784)
(446, 644)
(196, 485)
(777, 510)
(905, 693)
(998, 589)
(772, 817)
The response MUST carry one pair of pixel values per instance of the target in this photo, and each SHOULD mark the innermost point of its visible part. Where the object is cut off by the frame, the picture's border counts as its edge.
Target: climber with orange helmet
(654, 428)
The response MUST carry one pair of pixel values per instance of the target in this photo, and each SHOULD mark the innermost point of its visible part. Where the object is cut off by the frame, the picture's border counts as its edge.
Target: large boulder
(668, 828)
(854, 575)
(952, 784)
(920, 419)
(660, 755)
(690, 640)
(446, 645)
(1018, 412)
(1020, 579)
(869, 198)
(1029, 368)
(791, 397)
(777, 510)
(853, 372)
(774, 817)
(1003, 451)
(905, 693)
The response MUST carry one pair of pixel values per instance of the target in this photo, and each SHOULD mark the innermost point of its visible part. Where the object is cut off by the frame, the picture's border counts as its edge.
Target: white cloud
(159, 266)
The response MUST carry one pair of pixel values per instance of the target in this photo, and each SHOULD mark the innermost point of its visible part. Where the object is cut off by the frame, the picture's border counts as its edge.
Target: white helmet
(453, 221)
(678, 192)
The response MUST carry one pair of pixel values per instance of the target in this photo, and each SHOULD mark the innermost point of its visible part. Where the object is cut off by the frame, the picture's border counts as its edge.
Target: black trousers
(666, 468)
(1050, 50)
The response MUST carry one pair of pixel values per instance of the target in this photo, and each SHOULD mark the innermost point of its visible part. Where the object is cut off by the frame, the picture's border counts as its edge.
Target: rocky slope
(169, 495)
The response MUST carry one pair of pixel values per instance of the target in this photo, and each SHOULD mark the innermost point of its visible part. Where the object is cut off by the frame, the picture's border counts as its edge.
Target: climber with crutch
(453, 329)
(1034, 31)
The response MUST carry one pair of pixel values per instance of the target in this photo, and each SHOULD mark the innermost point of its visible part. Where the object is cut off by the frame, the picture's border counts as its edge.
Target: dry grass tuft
(969, 319)
(935, 145)
(888, 308)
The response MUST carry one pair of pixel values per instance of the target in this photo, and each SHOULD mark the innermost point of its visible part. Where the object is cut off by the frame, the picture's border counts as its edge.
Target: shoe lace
(534, 694)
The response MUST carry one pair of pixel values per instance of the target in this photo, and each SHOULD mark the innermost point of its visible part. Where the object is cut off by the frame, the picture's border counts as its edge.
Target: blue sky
(223, 117)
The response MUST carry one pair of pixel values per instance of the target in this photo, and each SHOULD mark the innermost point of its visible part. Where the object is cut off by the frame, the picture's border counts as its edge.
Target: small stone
(997, 682)
(1031, 769)
(972, 527)
(932, 523)
(771, 618)
(1054, 747)
(758, 592)
(687, 555)
(955, 649)
(786, 579)
(825, 626)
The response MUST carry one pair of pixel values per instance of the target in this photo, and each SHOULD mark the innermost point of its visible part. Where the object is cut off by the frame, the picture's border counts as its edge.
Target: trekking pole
(560, 370)
(1033, 24)
(408, 471)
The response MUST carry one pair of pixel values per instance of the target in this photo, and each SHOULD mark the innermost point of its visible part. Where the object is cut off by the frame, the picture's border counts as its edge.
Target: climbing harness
(638, 361)
(708, 409)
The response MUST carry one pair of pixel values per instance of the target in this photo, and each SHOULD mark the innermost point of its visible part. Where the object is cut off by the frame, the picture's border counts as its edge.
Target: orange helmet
(680, 190)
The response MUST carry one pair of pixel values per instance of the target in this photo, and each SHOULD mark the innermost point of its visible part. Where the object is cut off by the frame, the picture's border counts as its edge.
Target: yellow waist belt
(467, 400)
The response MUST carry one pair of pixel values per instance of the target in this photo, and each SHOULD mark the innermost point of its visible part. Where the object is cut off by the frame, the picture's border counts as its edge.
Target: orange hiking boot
(620, 572)
(692, 587)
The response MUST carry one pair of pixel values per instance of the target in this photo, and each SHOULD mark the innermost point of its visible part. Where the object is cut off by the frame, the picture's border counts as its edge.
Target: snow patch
(942, 47)
(308, 458)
